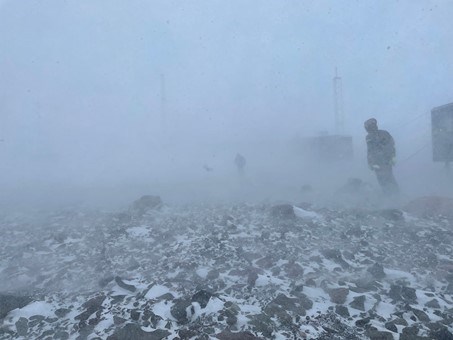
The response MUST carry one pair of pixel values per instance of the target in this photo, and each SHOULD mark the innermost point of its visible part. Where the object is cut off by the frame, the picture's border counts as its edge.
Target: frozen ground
(226, 272)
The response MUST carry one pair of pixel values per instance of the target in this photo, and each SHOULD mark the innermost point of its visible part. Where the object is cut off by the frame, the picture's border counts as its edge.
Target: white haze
(81, 100)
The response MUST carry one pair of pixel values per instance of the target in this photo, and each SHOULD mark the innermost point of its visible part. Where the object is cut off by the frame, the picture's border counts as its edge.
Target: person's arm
(393, 146)
(369, 153)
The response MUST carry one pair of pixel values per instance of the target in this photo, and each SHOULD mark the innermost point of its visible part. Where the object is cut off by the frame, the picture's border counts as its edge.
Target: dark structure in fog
(337, 147)
(338, 102)
(329, 147)
(442, 133)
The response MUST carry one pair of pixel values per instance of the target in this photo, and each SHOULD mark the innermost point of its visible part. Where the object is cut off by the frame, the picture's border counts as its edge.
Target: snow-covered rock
(227, 272)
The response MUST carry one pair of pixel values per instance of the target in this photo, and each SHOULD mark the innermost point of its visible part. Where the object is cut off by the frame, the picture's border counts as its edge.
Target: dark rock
(392, 214)
(63, 335)
(362, 322)
(331, 254)
(10, 302)
(431, 206)
(263, 324)
(421, 315)
(391, 327)
(231, 308)
(358, 302)
(146, 203)
(434, 326)
(285, 302)
(272, 309)
(122, 218)
(213, 274)
(377, 270)
(227, 220)
(408, 294)
(355, 231)
(118, 320)
(252, 277)
(133, 265)
(317, 259)
(338, 295)
(134, 332)
(329, 330)
(187, 333)
(402, 293)
(298, 289)
(150, 317)
(354, 188)
(410, 331)
(449, 276)
(117, 299)
(48, 333)
(91, 306)
(227, 335)
(105, 281)
(342, 311)
(178, 310)
(348, 255)
(283, 211)
(22, 326)
(433, 304)
(231, 320)
(293, 270)
(404, 336)
(166, 297)
(441, 334)
(124, 285)
(400, 321)
(335, 255)
(38, 318)
(135, 314)
(310, 283)
(61, 312)
(202, 297)
(35, 320)
(265, 262)
(395, 293)
(304, 301)
(428, 260)
(449, 289)
(364, 285)
(297, 305)
(379, 335)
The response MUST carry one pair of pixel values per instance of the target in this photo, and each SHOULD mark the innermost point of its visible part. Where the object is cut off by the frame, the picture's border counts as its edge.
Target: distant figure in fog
(240, 162)
(381, 156)
(207, 168)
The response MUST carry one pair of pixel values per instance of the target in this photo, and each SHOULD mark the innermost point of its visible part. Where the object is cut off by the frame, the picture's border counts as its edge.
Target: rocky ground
(226, 272)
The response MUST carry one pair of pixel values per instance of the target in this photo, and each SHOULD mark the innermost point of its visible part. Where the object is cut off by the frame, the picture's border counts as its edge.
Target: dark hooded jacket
(381, 148)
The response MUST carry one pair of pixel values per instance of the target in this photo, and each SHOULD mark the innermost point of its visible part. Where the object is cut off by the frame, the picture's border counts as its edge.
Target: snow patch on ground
(305, 214)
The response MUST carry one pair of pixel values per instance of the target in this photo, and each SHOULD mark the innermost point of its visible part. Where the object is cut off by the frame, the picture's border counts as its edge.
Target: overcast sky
(82, 79)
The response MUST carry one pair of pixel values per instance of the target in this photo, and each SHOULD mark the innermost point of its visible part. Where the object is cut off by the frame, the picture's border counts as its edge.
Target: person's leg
(387, 180)
(392, 184)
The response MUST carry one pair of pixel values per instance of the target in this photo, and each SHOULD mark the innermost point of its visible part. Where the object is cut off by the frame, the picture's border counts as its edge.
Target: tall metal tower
(338, 102)
(163, 103)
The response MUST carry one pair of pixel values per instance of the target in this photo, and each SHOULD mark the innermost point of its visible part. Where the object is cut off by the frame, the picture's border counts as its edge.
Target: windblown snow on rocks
(226, 272)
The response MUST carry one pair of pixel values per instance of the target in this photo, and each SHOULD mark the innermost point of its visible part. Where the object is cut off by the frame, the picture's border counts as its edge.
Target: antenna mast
(163, 102)
(338, 100)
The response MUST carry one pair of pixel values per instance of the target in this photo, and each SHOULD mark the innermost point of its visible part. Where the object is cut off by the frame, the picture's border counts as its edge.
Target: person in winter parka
(381, 156)
(240, 161)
